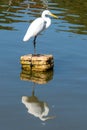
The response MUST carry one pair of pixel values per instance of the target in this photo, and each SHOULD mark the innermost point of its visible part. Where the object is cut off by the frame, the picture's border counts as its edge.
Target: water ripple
(72, 16)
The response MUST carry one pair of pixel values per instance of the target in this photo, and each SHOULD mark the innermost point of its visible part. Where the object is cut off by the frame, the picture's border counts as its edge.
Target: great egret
(38, 25)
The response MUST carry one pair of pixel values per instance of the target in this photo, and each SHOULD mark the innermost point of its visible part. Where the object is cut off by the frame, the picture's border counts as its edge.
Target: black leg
(35, 45)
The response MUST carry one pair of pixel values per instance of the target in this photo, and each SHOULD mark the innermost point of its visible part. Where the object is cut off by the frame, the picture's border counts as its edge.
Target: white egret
(38, 25)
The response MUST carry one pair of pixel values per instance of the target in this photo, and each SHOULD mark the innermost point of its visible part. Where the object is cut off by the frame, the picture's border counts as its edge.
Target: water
(61, 95)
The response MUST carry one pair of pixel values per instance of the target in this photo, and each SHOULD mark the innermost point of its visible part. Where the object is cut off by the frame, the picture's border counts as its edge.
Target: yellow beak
(53, 15)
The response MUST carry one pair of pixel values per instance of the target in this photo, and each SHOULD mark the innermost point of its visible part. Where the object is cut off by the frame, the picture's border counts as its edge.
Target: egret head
(47, 12)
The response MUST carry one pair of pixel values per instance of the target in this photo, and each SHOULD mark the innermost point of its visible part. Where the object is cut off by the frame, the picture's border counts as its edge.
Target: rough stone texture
(37, 62)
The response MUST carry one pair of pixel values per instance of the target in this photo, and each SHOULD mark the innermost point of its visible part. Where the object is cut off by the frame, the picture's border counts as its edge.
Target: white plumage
(38, 25)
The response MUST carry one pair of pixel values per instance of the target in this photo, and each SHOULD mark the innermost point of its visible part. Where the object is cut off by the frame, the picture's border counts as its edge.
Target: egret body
(38, 25)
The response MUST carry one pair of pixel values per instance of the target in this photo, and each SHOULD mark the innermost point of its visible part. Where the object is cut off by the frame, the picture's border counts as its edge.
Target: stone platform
(37, 62)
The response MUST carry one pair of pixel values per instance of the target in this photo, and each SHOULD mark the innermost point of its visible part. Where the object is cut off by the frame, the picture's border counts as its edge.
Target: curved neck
(47, 20)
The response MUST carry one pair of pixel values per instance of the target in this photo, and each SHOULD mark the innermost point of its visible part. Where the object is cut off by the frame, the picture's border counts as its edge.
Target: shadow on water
(72, 13)
(12, 11)
(35, 106)
(9, 13)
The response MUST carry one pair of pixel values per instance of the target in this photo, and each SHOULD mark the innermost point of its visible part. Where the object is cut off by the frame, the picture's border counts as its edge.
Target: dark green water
(58, 99)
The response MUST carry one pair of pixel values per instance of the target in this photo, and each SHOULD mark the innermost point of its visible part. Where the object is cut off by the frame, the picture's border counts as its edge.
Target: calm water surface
(53, 100)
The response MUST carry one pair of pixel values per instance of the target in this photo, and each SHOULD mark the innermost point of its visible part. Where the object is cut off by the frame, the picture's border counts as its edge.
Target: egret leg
(35, 45)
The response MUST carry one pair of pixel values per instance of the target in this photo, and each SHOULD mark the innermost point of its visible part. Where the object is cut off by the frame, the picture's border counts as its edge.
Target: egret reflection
(37, 107)
(34, 105)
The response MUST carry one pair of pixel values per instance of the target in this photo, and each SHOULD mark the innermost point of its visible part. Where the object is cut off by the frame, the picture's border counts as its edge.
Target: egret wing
(35, 28)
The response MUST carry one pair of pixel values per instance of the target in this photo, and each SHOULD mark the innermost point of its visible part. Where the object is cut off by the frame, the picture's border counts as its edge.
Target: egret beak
(53, 15)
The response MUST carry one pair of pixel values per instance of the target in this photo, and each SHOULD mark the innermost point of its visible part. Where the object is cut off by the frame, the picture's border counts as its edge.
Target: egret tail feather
(25, 39)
